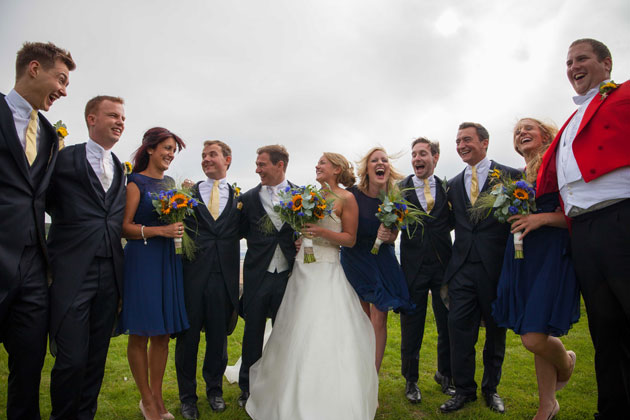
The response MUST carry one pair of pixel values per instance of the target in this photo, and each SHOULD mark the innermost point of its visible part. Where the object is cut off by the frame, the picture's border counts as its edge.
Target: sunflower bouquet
(173, 206)
(507, 198)
(301, 205)
(397, 213)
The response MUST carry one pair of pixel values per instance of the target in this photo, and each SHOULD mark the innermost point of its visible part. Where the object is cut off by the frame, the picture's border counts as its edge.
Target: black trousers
(471, 293)
(264, 305)
(600, 242)
(209, 307)
(24, 325)
(430, 278)
(82, 343)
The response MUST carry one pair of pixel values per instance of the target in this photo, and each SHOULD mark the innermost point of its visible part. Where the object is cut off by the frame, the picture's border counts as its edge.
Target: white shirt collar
(482, 165)
(420, 181)
(96, 149)
(19, 104)
(586, 98)
(222, 181)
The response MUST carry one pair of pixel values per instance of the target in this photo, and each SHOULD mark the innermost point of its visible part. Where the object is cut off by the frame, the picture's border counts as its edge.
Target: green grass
(119, 396)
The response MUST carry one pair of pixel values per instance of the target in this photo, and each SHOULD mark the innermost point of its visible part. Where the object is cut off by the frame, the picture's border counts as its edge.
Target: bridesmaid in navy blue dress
(377, 279)
(538, 296)
(153, 303)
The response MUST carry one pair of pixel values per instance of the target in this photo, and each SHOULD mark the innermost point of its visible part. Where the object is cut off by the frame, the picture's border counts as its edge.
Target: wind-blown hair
(364, 179)
(549, 131)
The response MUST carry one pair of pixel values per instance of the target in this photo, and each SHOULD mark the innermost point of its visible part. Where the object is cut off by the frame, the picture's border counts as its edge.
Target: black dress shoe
(242, 399)
(494, 402)
(445, 383)
(217, 403)
(412, 392)
(189, 411)
(457, 403)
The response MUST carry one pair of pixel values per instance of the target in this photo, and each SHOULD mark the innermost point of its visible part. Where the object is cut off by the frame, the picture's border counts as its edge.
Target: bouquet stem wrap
(376, 246)
(178, 245)
(518, 246)
(309, 255)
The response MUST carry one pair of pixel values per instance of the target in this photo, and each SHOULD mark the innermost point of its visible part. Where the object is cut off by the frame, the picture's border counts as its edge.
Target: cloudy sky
(324, 75)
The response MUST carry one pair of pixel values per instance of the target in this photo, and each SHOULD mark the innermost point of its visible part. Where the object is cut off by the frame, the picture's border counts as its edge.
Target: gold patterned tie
(428, 196)
(31, 138)
(213, 206)
(474, 186)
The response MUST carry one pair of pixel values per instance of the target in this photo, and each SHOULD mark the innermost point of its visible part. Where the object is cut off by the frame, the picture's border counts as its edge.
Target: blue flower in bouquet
(513, 210)
(516, 202)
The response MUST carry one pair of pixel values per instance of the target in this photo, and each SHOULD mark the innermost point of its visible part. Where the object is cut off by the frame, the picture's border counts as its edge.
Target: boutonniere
(606, 88)
(62, 132)
(237, 190)
(128, 168)
(239, 205)
(445, 185)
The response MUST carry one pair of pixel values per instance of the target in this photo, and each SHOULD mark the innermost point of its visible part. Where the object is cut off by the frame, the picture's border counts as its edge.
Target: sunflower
(400, 214)
(318, 212)
(495, 173)
(62, 132)
(128, 168)
(521, 194)
(297, 202)
(178, 200)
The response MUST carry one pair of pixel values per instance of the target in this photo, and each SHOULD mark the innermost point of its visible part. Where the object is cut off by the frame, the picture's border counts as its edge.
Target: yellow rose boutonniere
(239, 206)
(62, 132)
(237, 190)
(606, 88)
(128, 168)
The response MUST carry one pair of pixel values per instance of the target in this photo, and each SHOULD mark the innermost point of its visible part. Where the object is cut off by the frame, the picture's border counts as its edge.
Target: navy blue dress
(539, 293)
(377, 279)
(153, 302)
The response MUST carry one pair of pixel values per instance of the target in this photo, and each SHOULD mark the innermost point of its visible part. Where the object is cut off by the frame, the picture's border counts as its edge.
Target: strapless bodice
(324, 250)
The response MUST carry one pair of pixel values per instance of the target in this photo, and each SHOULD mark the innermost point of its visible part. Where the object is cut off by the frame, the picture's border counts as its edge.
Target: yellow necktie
(213, 206)
(474, 186)
(31, 138)
(428, 196)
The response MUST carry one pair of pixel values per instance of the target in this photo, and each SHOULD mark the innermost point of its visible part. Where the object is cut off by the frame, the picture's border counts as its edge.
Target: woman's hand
(174, 230)
(526, 222)
(313, 231)
(385, 234)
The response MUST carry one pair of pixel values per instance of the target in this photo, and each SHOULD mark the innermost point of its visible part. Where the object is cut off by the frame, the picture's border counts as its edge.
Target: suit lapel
(81, 165)
(203, 211)
(592, 107)
(440, 195)
(412, 195)
(7, 125)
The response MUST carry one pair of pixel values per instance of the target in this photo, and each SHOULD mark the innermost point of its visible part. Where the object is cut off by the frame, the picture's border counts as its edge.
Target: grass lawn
(119, 397)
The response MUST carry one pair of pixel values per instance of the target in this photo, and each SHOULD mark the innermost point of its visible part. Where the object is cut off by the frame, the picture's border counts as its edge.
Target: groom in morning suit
(423, 259)
(589, 164)
(269, 256)
(211, 281)
(28, 152)
(86, 202)
(473, 273)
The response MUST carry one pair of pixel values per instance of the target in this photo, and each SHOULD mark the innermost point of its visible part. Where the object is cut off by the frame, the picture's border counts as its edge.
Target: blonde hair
(364, 181)
(346, 177)
(549, 131)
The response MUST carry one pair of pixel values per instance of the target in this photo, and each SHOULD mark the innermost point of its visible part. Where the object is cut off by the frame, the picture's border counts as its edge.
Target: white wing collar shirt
(578, 196)
(205, 190)
(101, 162)
(21, 110)
(269, 197)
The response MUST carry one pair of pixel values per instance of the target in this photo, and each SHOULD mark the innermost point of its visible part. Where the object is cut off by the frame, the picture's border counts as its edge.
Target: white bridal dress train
(319, 361)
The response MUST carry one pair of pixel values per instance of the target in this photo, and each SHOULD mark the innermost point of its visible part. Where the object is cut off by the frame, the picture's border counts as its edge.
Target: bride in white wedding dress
(319, 361)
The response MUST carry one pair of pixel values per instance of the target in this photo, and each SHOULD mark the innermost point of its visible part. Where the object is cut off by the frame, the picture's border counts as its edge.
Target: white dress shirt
(419, 185)
(21, 110)
(101, 162)
(483, 167)
(205, 190)
(269, 198)
(575, 192)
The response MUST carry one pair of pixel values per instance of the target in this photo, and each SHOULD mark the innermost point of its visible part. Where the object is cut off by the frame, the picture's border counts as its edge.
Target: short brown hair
(277, 153)
(434, 145)
(599, 48)
(94, 103)
(482, 133)
(225, 149)
(45, 53)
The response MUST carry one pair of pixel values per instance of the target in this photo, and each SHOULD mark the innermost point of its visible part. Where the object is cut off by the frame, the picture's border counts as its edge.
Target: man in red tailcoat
(589, 164)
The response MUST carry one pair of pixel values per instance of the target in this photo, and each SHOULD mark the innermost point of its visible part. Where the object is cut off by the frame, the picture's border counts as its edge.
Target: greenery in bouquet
(173, 206)
(506, 198)
(395, 212)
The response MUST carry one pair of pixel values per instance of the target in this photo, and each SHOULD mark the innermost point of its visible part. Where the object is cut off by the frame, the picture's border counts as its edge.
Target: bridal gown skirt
(319, 361)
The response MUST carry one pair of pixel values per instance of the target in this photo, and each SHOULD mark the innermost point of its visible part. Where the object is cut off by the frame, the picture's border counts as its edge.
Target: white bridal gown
(319, 361)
